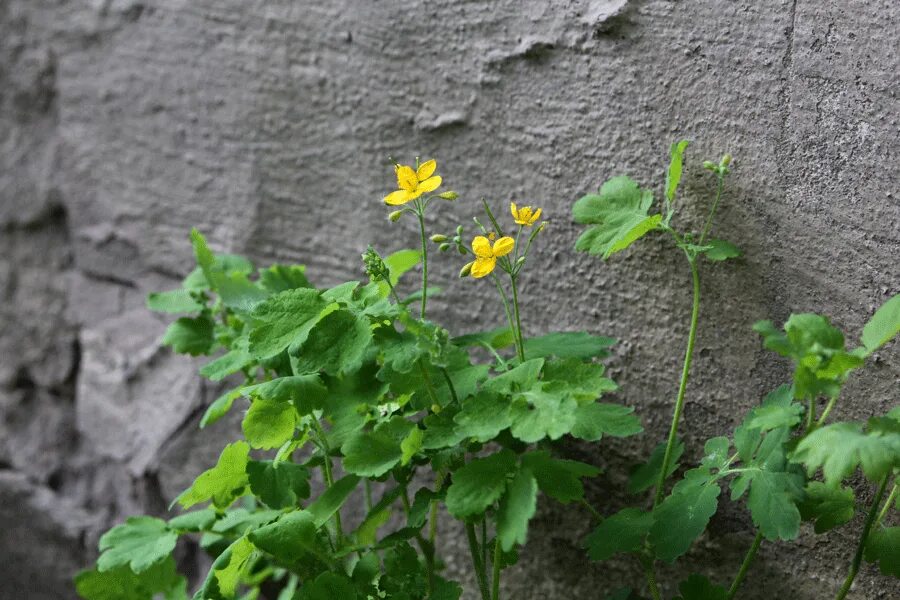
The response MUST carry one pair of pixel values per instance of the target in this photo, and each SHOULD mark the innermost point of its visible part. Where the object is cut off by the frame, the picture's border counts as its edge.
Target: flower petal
(483, 267)
(535, 216)
(514, 211)
(430, 184)
(406, 178)
(397, 198)
(481, 247)
(504, 246)
(426, 169)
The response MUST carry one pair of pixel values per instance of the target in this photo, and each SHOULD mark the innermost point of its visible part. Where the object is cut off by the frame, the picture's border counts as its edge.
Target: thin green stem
(597, 516)
(825, 412)
(520, 342)
(745, 566)
(860, 548)
(475, 551)
(450, 385)
(484, 549)
(682, 387)
(493, 351)
(650, 573)
(420, 213)
(509, 314)
(495, 564)
(888, 503)
(427, 550)
(712, 212)
(329, 478)
(810, 416)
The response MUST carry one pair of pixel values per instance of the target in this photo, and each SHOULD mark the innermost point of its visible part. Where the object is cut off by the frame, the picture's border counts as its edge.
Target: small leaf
(306, 392)
(197, 520)
(290, 538)
(624, 531)
(517, 507)
(399, 263)
(496, 338)
(568, 344)
(683, 516)
(829, 507)
(220, 407)
(673, 174)
(224, 482)
(139, 543)
(332, 499)
(883, 547)
(269, 424)
(192, 336)
(479, 484)
(716, 453)
(371, 453)
(173, 301)
(646, 475)
(558, 478)
(227, 364)
(596, 419)
(883, 325)
(124, 584)
(618, 215)
(840, 447)
(281, 278)
(698, 587)
(483, 416)
(411, 445)
(229, 575)
(720, 250)
(328, 586)
(279, 485)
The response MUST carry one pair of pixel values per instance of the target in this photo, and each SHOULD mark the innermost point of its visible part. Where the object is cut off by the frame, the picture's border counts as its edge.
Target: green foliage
(192, 336)
(698, 587)
(673, 174)
(479, 484)
(517, 507)
(278, 484)
(624, 531)
(618, 215)
(828, 507)
(720, 250)
(124, 584)
(269, 424)
(682, 517)
(569, 344)
(883, 547)
(883, 325)
(139, 543)
(645, 476)
(224, 482)
(840, 448)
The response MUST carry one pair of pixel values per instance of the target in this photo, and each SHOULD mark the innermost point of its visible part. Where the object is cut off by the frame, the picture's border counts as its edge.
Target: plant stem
(810, 416)
(329, 479)
(888, 502)
(420, 212)
(476, 561)
(597, 516)
(682, 387)
(860, 548)
(650, 573)
(427, 551)
(825, 412)
(745, 566)
(520, 342)
(712, 212)
(495, 563)
(509, 314)
(484, 550)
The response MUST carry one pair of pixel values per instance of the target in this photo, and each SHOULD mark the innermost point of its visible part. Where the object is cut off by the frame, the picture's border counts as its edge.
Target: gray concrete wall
(267, 125)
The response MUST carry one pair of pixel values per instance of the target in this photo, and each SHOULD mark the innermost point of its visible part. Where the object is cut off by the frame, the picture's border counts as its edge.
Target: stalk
(520, 342)
(745, 566)
(682, 386)
(888, 503)
(860, 548)
(427, 551)
(329, 479)
(420, 212)
(496, 571)
(476, 561)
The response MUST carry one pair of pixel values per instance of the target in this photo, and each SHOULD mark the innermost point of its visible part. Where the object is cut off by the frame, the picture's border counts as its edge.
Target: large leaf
(479, 484)
(829, 507)
(683, 516)
(291, 538)
(278, 484)
(124, 584)
(840, 448)
(596, 419)
(558, 478)
(624, 531)
(618, 214)
(698, 587)
(328, 586)
(883, 546)
(336, 345)
(173, 301)
(568, 344)
(139, 543)
(192, 336)
(269, 423)
(306, 392)
(224, 482)
(332, 499)
(645, 476)
(517, 506)
(284, 320)
(883, 325)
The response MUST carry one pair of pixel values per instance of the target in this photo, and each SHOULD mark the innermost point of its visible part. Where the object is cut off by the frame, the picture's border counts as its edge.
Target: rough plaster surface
(267, 124)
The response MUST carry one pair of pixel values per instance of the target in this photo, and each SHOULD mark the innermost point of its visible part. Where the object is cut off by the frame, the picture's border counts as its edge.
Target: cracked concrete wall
(267, 123)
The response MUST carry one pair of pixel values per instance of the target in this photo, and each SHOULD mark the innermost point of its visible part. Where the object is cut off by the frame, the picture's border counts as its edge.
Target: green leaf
(441, 431)
(479, 484)
(568, 344)
(399, 263)
(517, 507)
(541, 412)
(284, 320)
(619, 215)
(279, 485)
(828, 506)
(124, 584)
(883, 325)
(720, 250)
(716, 453)
(646, 475)
(594, 420)
(220, 407)
(683, 516)
(332, 499)
(139, 543)
(883, 547)
(698, 587)
(371, 453)
(328, 586)
(496, 338)
(483, 416)
(583, 381)
(269, 423)
(624, 531)
(224, 482)
(558, 478)
(192, 336)
(281, 278)
(173, 301)
(411, 445)
(778, 410)
(227, 364)
(336, 345)
(229, 574)
(291, 538)
(197, 520)
(773, 504)
(306, 392)
(520, 378)
(840, 448)
(204, 256)
(673, 174)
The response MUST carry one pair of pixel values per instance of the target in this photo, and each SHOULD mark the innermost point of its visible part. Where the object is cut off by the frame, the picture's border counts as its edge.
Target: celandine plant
(774, 456)
(351, 386)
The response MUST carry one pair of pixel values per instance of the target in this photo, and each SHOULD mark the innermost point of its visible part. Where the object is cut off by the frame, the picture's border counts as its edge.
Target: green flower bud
(438, 238)
(726, 160)
(395, 216)
(448, 195)
(709, 165)
(444, 247)
(376, 269)
(466, 270)
(459, 229)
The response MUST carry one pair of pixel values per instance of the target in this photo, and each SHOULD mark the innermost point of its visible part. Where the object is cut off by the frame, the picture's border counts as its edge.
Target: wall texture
(267, 124)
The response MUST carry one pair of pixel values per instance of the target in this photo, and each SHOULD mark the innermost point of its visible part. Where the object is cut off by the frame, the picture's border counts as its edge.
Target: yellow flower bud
(395, 216)
(466, 270)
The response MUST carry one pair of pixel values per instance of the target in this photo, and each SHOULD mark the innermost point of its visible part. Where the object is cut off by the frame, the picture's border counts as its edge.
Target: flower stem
(476, 561)
(329, 479)
(650, 573)
(860, 548)
(520, 342)
(496, 571)
(825, 412)
(888, 502)
(420, 213)
(682, 387)
(745, 566)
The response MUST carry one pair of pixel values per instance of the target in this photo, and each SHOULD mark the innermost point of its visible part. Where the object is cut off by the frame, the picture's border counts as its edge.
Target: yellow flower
(486, 256)
(413, 183)
(524, 216)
